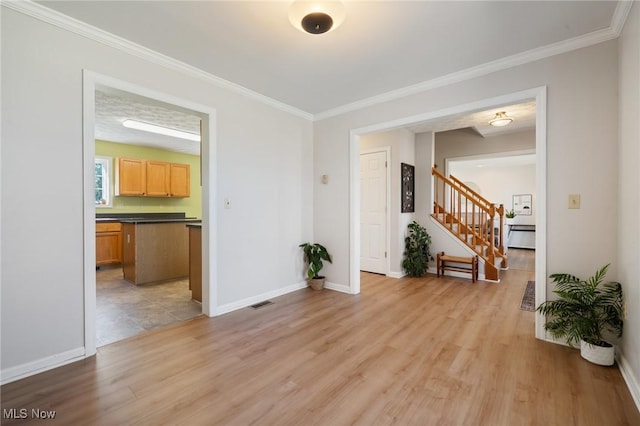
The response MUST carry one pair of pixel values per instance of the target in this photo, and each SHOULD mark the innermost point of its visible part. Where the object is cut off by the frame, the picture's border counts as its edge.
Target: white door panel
(373, 212)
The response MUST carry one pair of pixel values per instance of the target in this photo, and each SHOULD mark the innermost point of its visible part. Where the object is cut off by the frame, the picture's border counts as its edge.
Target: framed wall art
(407, 178)
(522, 204)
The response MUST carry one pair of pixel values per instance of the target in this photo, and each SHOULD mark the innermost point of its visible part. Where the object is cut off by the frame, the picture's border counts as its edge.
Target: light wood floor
(405, 351)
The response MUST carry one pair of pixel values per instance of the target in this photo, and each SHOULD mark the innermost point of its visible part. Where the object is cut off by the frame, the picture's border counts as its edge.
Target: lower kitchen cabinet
(108, 243)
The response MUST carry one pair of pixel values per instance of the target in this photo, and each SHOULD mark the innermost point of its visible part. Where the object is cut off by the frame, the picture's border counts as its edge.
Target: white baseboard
(21, 371)
(396, 274)
(337, 287)
(229, 307)
(629, 378)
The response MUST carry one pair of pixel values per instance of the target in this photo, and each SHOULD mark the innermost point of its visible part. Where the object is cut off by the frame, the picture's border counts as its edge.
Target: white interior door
(373, 212)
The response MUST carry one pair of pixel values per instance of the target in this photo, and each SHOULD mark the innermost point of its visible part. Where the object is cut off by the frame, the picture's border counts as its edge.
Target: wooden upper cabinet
(158, 179)
(180, 181)
(150, 178)
(132, 177)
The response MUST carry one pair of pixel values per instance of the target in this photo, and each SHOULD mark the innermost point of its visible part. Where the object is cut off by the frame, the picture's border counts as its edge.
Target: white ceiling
(381, 47)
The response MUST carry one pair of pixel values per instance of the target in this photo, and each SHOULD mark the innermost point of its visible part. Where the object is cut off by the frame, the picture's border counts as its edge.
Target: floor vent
(261, 304)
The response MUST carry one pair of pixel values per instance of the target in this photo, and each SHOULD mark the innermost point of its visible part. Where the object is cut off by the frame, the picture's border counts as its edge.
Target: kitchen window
(102, 181)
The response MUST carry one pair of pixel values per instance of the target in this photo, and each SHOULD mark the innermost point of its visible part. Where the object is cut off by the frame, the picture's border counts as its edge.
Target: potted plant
(510, 215)
(584, 312)
(416, 250)
(314, 254)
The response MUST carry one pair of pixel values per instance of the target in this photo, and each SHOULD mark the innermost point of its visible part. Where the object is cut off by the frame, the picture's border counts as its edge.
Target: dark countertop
(142, 218)
(148, 221)
(195, 225)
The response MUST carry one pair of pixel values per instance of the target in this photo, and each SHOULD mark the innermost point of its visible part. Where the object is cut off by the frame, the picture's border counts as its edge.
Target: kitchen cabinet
(149, 178)
(158, 179)
(180, 180)
(131, 177)
(108, 243)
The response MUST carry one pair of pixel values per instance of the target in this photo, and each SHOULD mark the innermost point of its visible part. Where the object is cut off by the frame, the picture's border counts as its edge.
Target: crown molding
(613, 31)
(620, 16)
(43, 13)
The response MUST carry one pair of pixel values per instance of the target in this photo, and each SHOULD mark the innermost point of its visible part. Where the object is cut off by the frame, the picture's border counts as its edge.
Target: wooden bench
(455, 263)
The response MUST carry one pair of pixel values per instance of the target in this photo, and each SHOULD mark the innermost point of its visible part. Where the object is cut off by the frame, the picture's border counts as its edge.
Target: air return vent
(261, 304)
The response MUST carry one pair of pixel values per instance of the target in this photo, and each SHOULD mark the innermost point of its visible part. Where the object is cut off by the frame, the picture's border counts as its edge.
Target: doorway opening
(102, 96)
(143, 283)
(537, 95)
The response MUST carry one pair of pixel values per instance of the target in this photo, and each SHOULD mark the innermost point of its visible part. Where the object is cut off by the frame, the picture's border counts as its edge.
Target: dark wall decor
(407, 178)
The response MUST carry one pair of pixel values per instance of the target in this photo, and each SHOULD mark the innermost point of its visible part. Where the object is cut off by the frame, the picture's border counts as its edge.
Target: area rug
(529, 297)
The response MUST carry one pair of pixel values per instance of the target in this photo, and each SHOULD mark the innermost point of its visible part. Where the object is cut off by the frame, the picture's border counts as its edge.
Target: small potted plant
(314, 254)
(510, 215)
(584, 312)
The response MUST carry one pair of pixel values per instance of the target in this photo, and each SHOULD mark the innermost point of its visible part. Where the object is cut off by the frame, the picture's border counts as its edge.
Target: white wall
(264, 166)
(402, 144)
(629, 181)
(425, 147)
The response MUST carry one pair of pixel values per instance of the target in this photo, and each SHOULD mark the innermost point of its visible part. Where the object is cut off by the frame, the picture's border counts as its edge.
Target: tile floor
(124, 309)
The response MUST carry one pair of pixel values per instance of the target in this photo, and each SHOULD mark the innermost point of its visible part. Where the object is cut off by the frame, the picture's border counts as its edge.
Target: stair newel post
(492, 235)
(452, 206)
(444, 200)
(458, 208)
(436, 196)
(501, 229)
(473, 220)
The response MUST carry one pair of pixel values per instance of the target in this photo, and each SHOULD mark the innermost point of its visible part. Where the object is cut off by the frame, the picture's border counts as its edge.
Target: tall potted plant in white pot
(584, 312)
(314, 254)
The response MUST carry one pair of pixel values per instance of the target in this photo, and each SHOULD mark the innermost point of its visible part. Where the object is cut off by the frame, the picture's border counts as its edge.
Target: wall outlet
(227, 203)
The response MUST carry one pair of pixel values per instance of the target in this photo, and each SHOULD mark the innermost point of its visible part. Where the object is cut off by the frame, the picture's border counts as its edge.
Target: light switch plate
(574, 201)
(227, 203)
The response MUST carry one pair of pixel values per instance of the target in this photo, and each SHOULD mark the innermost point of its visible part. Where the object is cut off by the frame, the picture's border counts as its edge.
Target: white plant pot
(597, 354)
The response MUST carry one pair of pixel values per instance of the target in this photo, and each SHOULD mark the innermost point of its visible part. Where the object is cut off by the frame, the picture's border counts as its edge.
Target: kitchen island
(155, 250)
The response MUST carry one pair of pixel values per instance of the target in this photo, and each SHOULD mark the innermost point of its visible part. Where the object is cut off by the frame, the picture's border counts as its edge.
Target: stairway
(472, 219)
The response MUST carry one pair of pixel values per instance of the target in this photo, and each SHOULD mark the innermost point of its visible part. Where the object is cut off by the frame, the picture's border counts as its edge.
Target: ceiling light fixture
(316, 17)
(501, 119)
(161, 130)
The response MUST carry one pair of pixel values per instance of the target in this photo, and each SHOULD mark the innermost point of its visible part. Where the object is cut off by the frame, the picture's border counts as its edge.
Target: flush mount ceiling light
(161, 130)
(501, 119)
(316, 17)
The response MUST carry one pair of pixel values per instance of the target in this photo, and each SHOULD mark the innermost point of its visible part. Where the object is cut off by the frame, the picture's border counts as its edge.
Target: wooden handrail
(470, 217)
